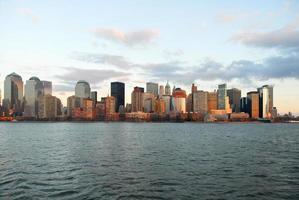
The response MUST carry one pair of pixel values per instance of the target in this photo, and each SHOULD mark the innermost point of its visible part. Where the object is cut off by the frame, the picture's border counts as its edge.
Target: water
(149, 161)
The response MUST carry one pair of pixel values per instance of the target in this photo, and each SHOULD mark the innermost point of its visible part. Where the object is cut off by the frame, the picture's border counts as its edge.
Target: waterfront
(149, 161)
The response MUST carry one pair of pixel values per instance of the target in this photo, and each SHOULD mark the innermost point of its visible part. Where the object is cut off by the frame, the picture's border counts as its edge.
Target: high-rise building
(179, 100)
(72, 103)
(167, 89)
(200, 101)
(266, 101)
(152, 87)
(193, 88)
(161, 91)
(212, 101)
(222, 93)
(189, 103)
(49, 107)
(47, 85)
(253, 104)
(243, 104)
(94, 97)
(82, 89)
(167, 100)
(137, 99)
(160, 106)
(33, 90)
(109, 105)
(118, 91)
(234, 95)
(148, 102)
(13, 92)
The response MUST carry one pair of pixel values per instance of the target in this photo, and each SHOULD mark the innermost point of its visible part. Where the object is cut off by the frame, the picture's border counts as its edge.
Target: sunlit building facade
(137, 99)
(179, 96)
(152, 88)
(253, 104)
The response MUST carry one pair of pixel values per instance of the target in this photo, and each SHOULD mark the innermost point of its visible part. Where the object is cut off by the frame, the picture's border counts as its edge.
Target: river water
(149, 161)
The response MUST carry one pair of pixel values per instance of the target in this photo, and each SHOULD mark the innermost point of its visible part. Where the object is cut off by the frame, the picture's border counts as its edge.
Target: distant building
(212, 101)
(266, 101)
(49, 107)
(109, 105)
(167, 89)
(234, 95)
(118, 91)
(167, 100)
(152, 88)
(253, 104)
(189, 103)
(243, 104)
(13, 93)
(200, 102)
(72, 102)
(94, 97)
(160, 106)
(33, 90)
(148, 102)
(47, 86)
(137, 99)
(161, 91)
(179, 100)
(222, 93)
(82, 89)
(274, 112)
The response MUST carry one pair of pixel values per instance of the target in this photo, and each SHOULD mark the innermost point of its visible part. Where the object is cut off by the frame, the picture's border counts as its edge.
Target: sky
(245, 44)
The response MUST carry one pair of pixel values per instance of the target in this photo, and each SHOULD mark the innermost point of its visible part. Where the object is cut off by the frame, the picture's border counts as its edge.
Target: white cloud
(133, 38)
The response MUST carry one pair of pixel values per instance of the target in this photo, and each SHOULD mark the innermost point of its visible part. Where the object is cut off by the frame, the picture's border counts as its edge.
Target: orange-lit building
(212, 101)
(179, 100)
(160, 106)
(253, 104)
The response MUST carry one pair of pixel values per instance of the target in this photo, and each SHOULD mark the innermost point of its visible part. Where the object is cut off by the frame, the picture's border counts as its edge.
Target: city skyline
(243, 44)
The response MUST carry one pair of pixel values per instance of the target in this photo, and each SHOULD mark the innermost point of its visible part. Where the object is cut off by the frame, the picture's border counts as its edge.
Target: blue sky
(243, 43)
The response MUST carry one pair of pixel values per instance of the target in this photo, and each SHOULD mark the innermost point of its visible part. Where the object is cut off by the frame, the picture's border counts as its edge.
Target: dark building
(234, 96)
(253, 104)
(243, 105)
(94, 97)
(118, 91)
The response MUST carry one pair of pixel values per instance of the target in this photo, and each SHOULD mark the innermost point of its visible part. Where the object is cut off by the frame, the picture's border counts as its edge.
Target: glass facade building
(118, 91)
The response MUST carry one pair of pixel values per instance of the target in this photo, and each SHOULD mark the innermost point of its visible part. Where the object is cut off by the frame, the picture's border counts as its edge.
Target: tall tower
(152, 88)
(82, 89)
(33, 90)
(13, 92)
(118, 91)
(234, 95)
(222, 96)
(167, 89)
(137, 99)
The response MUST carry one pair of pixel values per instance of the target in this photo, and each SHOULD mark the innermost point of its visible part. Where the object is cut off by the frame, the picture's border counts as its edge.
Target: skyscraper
(200, 101)
(82, 89)
(152, 87)
(94, 97)
(118, 91)
(137, 99)
(266, 101)
(234, 96)
(167, 89)
(179, 100)
(161, 91)
(148, 102)
(222, 96)
(47, 85)
(33, 90)
(13, 92)
(212, 101)
(253, 104)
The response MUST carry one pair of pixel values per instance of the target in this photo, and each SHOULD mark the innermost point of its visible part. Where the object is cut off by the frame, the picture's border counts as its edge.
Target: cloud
(114, 60)
(134, 38)
(92, 76)
(28, 13)
(286, 37)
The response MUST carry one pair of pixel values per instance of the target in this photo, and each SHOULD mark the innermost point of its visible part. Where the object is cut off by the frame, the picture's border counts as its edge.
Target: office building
(13, 93)
(167, 89)
(118, 91)
(82, 89)
(253, 104)
(148, 102)
(161, 91)
(33, 90)
(137, 99)
(222, 93)
(200, 102)
(212, 101)
(179, 100)
(266, 101)
(152, 88)
(49, 107)
(234, 96)
(243, 104)
(167, 100)
(47, 86)
(94, 97)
